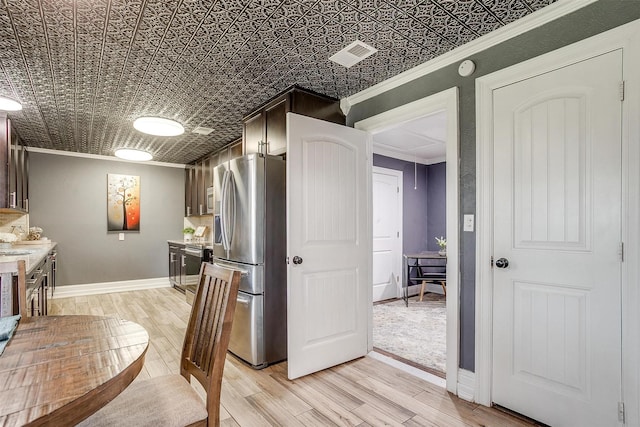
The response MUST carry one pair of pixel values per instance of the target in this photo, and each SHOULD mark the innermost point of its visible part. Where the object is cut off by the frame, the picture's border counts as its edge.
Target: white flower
(442, 242)
(8, 237)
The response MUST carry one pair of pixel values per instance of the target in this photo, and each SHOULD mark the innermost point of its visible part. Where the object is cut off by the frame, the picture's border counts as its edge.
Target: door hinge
(621, 412)
(621, 90)
(491, 261)
(397, 234)
(397, 189)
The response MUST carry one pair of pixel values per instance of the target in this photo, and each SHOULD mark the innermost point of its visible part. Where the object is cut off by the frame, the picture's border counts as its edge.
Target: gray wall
(424, 208)
(590, 20)
(437, 204)
(414, 202)
(68, 200)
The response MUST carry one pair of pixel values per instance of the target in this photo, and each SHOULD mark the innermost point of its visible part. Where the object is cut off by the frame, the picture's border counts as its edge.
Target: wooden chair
(16, 289)
(171, 400)
(435, 271)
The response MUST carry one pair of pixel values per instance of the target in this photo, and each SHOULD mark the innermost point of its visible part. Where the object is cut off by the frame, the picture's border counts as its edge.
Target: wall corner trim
(110, 287)
(509, 31)
(466, 385)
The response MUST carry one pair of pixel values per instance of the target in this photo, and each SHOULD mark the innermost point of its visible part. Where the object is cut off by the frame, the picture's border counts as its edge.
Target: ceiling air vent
(352, 54)
(202, 130)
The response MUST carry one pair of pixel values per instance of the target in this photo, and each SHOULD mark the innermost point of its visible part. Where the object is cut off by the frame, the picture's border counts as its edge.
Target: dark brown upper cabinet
(14, 176)
(265, 130)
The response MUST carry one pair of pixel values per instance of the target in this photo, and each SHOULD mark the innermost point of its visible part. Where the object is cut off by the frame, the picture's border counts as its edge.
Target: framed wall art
(123, 202)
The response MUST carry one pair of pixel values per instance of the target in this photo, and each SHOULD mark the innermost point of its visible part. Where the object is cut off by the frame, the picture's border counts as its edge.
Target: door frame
(446, 100)
(398, 174)
(625, 38)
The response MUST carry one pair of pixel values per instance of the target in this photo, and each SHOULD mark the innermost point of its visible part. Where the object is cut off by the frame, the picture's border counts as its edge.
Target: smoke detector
(352, 54)
(201, 130)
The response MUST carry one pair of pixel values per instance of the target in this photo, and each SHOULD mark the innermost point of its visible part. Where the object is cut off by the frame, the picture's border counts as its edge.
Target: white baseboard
(466, 385)
(110, 287)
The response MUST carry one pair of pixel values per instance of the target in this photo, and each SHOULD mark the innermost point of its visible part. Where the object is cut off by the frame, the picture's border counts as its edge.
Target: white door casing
(387, 233)
(446, 100)
(625, 38)
(329, 227)
(557, 211)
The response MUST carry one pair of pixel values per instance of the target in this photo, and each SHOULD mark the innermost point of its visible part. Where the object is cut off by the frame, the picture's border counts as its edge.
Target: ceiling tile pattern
(85, 69)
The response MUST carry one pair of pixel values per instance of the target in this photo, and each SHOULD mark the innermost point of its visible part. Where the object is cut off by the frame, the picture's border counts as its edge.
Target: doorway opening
(420, 140)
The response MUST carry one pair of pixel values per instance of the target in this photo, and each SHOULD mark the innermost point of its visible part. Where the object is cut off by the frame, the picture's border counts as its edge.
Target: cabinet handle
(184, 257)
(200, 208)
(188, 210)
(13, 202)
(26, 205)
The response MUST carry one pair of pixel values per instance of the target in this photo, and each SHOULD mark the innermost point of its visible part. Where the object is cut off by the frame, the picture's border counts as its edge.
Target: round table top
(58, 370)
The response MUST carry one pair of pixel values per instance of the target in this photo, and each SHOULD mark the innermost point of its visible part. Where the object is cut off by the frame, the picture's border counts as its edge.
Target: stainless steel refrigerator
(250, 235)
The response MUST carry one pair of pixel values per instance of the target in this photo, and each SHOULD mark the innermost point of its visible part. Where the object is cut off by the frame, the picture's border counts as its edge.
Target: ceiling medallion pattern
(85, 69)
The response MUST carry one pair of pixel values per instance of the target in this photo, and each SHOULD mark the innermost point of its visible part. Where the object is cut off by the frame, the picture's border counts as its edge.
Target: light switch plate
(468, 223)
(120, 236)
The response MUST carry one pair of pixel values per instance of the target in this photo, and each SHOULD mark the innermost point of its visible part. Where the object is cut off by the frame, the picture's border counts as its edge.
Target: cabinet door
(201, 166)
(253, 133)
(187, 190)
(173, 265)
(276, 126)
(208, 176)
(25, 179)
(194, 189)
(223, 156)
(13, 175)
(235, 149)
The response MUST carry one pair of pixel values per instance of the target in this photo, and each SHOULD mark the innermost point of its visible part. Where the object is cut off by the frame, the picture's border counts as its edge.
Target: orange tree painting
(123, 202)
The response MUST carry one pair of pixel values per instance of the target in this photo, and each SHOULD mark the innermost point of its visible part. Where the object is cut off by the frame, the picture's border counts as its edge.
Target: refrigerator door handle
(233, 267)
(243, 300)
(231, 207)
(223, 210)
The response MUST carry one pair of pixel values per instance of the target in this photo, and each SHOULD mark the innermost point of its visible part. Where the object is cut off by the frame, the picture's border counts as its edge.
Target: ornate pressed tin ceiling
(85, 69)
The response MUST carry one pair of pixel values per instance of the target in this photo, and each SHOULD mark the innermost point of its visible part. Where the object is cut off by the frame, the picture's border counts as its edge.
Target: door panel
(328, 216)
(247, 204)
(557, 219)
(387, 223)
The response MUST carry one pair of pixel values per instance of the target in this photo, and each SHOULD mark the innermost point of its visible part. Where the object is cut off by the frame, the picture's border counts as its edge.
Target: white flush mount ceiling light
(352, 54)
(131, 154)
(8, 104)
(158, 126)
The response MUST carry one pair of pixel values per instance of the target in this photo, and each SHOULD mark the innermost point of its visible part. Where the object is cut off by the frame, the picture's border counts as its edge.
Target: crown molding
(100, 157)
(509, 31)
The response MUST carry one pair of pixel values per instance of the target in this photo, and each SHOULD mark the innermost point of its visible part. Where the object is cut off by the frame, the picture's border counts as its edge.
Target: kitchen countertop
(206, 245)
(35, 256)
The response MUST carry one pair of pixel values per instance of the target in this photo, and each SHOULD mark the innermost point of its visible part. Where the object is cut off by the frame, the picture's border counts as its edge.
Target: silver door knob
(502, 263)
(297, 260)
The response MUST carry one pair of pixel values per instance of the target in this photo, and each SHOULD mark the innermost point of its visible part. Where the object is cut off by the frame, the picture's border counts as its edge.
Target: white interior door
(328, 244)
(387, 229)
(557, 220)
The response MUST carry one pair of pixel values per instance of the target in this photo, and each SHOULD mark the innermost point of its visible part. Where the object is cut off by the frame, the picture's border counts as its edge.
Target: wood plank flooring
(364, 392)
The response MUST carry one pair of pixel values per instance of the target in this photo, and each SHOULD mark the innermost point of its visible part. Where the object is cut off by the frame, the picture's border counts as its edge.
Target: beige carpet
(416, 333)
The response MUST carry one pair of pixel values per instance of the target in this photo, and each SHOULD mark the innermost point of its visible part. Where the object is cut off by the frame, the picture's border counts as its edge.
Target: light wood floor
(364, 392)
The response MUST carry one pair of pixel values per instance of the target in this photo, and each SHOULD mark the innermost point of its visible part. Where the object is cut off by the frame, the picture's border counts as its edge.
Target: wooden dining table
(58, 370)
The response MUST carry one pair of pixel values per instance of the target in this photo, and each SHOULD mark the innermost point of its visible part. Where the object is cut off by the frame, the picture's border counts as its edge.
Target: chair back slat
(13, 289)
(209, 331)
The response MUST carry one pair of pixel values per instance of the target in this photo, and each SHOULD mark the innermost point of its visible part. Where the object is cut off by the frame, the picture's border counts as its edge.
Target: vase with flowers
(442, 243)
(188, 233)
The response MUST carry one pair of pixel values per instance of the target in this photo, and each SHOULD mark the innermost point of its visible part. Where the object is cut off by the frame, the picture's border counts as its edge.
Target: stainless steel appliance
(250, 235)
(209, 200)
(194, 255)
